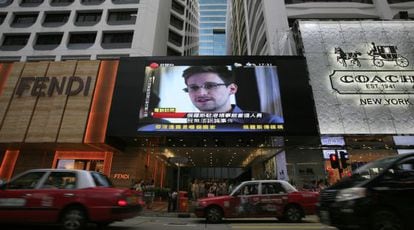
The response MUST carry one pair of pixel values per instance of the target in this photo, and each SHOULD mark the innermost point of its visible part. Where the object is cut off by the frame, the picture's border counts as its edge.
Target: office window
(176, 22)
(117, 39)
(125, 1)
(175, 38)
(122, 17)
(213, 19)
(30, 3)
(41, 58)
(177, 7)
(397, 1)
(4, 3)
(49, 39)
(24, 20)
(55, 18)
(76, 57)
(2, 17)
(88, 18)
(82, 38)
(172, 52)
(92, 2)
(9, 58)
(212, 7)
(13, 40)
(61, 2)
(110, 56)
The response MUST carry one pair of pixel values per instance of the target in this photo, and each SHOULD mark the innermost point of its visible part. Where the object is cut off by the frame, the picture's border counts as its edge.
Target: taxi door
(16, 198)
(273, 199)
(58, 189)
(245, 200)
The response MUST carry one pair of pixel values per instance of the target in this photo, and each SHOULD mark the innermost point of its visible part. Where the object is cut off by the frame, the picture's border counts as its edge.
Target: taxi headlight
(201, 203)
(351, 194)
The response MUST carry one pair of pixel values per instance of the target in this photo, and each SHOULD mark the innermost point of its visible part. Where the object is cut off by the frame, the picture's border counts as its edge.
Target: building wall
(183, 28)
(30, 115)
(29, 159)
(273, 35)
(212, 27)
(149, 27)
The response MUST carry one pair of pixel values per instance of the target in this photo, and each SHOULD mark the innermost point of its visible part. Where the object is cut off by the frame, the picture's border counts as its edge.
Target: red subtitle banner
(168, 115)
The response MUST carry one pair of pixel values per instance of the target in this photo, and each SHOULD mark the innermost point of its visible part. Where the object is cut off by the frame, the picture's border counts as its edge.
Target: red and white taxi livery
(71, 198)
(259, 198)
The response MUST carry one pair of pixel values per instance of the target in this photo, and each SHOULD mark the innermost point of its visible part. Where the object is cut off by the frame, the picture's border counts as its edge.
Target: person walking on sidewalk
(172, 201)
(149, 194)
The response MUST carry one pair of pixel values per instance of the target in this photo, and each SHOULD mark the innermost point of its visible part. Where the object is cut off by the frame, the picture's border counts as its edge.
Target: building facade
(96, 29)
(263, 27)
(55, 115)
(338, 38)
(213, 27)
(51, 112)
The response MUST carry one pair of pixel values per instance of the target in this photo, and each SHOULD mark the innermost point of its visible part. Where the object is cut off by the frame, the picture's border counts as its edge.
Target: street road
(173, 223)
(143, 223)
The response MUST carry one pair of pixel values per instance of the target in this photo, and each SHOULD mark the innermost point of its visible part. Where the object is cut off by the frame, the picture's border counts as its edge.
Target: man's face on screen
(208, 92)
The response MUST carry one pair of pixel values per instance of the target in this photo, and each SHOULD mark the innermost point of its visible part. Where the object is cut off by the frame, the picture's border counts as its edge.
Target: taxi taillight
(122, 203)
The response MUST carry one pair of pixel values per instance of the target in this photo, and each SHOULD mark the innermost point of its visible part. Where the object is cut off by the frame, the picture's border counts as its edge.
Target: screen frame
(297, 100)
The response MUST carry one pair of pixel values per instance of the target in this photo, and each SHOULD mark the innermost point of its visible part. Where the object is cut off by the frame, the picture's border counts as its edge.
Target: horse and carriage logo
(379, 55)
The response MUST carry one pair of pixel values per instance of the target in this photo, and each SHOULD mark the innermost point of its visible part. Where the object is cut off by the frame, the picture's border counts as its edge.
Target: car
(259, 198)
(377, 196)
(71, 198)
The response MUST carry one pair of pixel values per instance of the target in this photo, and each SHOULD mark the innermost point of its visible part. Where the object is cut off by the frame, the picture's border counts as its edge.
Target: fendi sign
(47, 86)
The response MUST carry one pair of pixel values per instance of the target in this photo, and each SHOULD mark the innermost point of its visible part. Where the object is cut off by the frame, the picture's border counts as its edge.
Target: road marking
(281, 227)
(181, 224)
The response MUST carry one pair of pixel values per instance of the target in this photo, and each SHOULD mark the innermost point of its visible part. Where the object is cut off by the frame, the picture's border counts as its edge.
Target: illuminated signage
(373, 81)
(378, 55)
(121, 176)
(48, 86)
(362, 75)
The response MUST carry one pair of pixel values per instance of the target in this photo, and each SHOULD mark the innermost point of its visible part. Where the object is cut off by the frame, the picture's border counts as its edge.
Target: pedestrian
(174, 196)
(170, 201)
(149, 194)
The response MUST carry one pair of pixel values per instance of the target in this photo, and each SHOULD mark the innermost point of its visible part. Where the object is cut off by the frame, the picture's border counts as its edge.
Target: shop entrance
(91, 161)
(90, 165)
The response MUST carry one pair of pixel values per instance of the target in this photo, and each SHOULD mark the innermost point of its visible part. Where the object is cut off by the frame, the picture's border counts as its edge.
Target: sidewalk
(160, 209)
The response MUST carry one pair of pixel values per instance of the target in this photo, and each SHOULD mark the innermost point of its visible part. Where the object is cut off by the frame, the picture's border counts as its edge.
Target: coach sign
(373, 82)
(362, 75)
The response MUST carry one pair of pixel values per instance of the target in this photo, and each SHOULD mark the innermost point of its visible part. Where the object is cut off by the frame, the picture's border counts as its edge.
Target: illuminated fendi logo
(48, 86)
(372, 81)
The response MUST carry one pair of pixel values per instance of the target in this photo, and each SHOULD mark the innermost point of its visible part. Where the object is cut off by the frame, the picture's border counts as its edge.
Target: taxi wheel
(214, 215)
(73, 219)
(293, 213)
(386, 220)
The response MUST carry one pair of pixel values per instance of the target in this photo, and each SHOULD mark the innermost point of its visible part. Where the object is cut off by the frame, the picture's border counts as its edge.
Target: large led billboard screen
(212, 94)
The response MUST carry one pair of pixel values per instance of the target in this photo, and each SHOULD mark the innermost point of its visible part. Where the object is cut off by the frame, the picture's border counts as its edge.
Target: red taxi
(259, 198)
(71, 198)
